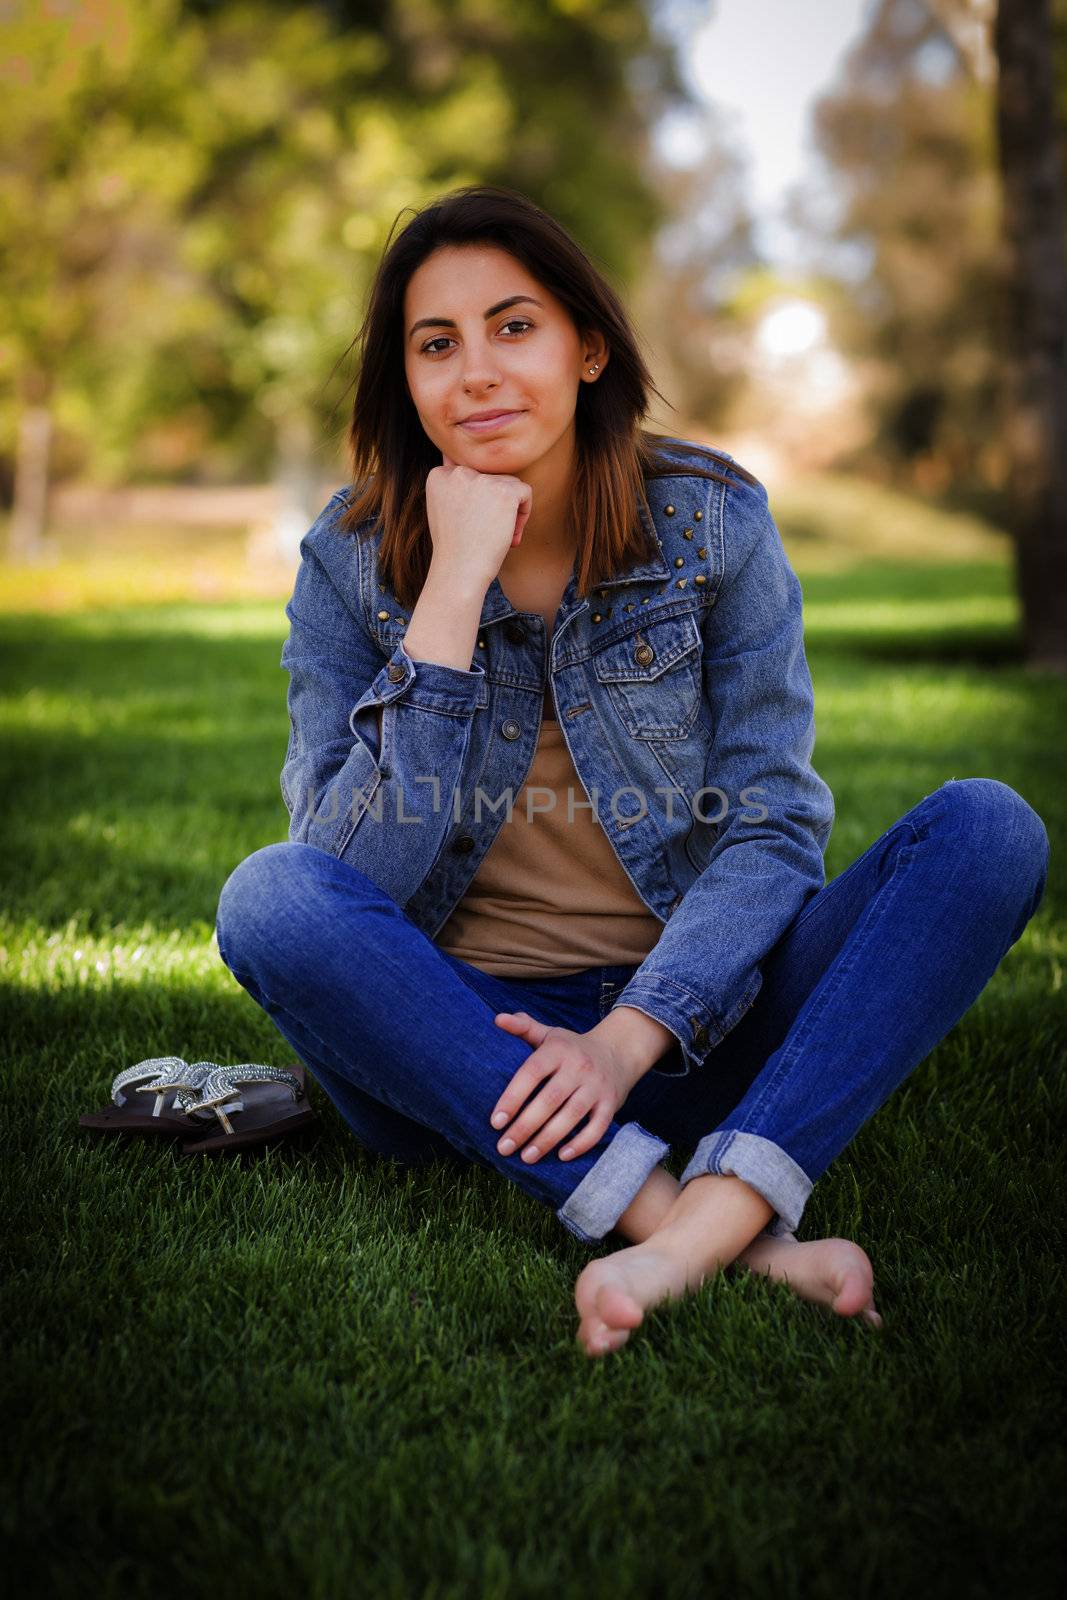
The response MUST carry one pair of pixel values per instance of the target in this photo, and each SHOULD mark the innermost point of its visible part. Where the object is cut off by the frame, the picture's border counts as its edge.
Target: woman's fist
(474, 518)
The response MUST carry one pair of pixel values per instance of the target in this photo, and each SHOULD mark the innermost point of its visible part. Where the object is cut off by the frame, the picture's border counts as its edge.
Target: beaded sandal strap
(164, 1073)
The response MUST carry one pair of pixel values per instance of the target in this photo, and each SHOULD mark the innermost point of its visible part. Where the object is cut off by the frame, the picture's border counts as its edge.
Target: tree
(908, 138)
(193, 197)
(945, 141)
(1031, 168)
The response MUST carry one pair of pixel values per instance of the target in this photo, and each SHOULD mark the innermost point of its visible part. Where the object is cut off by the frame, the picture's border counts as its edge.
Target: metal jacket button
(510, 729)
(395, 672)
(644, 654)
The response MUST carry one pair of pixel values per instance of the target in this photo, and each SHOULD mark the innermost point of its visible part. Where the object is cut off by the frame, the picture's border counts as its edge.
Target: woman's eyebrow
(446, 322)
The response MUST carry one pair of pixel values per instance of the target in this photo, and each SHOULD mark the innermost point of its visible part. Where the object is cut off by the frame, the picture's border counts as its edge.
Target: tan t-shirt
(550, 896)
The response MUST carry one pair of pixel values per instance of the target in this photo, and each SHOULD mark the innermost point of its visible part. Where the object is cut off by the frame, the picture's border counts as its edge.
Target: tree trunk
(29, 515)
(1035, 416)
(296, 481)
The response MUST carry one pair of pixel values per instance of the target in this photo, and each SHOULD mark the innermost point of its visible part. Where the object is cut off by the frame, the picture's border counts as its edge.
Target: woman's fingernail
(499, 1118)
(568, 1152)
(531, 1154)
(506, 1146)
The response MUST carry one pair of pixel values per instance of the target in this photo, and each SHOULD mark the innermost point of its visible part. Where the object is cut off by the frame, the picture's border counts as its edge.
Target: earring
(595, 368)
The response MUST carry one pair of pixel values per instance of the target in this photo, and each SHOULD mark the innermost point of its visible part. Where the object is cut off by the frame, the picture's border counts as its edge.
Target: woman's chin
(498, 455)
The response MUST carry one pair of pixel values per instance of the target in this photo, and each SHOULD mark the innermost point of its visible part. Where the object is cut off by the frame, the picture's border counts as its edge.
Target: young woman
(525, 594)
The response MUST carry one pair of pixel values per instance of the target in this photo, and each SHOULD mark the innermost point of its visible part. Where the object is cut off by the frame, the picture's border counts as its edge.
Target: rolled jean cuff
(612, 1182)
(760, 1163)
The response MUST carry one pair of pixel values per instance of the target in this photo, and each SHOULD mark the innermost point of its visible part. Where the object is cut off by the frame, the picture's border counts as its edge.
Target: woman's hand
(581, 1076)
(474, 518)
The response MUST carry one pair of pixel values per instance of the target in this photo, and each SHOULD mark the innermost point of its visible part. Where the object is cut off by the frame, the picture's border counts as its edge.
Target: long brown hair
(391, 454)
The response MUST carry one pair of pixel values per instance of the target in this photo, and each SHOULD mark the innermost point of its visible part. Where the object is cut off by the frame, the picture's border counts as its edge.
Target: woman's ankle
(714, 1218)
(649, 1206)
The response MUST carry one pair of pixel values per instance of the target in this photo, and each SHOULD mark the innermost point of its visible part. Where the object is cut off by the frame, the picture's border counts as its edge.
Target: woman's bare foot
(613, 1292)
(834, 1272)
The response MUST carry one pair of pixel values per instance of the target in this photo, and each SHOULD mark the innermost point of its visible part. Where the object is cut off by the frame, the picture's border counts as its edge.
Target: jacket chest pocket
(653, 677)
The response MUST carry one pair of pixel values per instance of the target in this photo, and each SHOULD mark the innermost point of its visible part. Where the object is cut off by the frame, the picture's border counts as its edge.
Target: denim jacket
(683, 693)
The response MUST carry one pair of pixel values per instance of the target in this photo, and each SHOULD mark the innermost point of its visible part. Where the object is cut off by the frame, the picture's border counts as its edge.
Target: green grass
(304, 1372)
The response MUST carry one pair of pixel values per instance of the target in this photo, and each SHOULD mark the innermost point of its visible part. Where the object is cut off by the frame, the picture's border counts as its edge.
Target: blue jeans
(875, 970)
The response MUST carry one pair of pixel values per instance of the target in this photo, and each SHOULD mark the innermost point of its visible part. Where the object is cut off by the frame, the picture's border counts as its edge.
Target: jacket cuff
(697, 1028)
(675, 1055)
(426, 685)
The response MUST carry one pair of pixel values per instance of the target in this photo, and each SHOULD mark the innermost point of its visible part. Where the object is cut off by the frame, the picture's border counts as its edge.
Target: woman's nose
(478, 370)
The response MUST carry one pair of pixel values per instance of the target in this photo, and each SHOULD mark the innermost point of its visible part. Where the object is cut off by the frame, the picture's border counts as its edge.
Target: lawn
(300, 1371)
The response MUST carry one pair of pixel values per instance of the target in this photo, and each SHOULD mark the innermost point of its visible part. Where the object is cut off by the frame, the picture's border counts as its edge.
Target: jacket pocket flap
(652, 649)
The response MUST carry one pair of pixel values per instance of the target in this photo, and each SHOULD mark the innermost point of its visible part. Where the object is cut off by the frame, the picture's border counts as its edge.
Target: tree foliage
(193, 196)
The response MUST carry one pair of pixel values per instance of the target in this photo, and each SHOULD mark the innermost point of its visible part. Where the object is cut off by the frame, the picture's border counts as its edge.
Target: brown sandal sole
(269, 1112)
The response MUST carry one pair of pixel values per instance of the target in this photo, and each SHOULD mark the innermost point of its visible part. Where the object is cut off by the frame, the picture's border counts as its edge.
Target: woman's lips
(491, 424)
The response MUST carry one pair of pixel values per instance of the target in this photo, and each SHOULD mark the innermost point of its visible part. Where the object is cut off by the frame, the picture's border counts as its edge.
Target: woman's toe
(618, 1308)
(598, 1339)
(591, 1334)
(853, 1285)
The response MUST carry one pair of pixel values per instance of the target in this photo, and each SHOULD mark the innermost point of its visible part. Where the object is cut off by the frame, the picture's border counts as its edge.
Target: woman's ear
(595, 352)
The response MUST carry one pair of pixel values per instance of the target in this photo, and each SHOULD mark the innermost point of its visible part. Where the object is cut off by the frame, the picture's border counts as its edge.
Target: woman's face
(526, 357)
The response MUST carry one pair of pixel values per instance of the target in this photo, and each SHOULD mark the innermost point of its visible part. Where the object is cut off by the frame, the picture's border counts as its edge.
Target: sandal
(262, 1109)
(163, 1076)
(188, 1110)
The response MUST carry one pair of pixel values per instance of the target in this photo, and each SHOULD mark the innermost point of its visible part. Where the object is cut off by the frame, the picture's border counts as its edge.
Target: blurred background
(840, 233)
